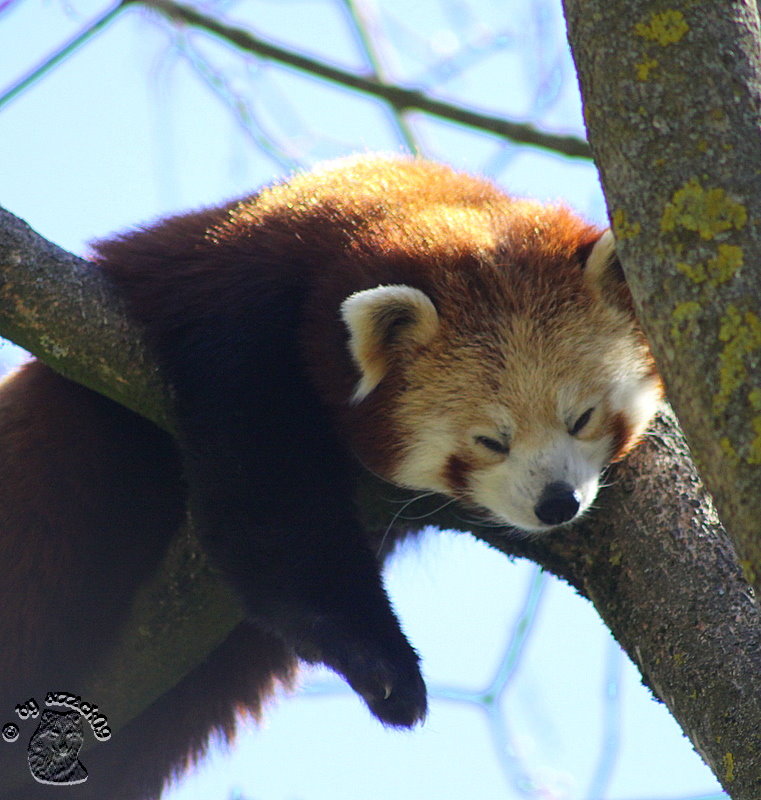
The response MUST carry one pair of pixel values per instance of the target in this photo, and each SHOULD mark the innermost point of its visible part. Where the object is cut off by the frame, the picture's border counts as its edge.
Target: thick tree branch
(653, 559)
(664, 577)
(59, 307)
(673, 105)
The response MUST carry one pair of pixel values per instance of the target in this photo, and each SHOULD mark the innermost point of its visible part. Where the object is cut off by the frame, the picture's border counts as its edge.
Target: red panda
(376, 313)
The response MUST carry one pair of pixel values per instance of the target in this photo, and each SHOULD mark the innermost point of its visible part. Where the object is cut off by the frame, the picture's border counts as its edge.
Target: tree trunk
(672, 101)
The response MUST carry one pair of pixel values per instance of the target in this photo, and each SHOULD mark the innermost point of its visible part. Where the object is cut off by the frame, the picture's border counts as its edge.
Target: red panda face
(514, 411)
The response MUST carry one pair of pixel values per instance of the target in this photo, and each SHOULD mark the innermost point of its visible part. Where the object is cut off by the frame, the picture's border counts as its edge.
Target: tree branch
(661, 574)
(63, 52)
(400, 99)
(60, 308)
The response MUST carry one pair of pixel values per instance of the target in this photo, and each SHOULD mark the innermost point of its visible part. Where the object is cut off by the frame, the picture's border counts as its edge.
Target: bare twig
(360, 27)
(63, 52)
(398, 97)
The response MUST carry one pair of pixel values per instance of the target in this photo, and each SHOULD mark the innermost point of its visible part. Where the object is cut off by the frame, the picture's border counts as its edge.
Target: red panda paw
(397, 697)
(383, 670)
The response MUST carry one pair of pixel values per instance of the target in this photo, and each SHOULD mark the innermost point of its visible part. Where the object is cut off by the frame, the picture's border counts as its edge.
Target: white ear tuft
(384, 321)
(604, 276)
(600, 256)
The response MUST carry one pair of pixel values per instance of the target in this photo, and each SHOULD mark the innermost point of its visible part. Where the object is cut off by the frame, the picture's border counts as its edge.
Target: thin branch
(360, 28)
(399, 98)
(62, 53)
(237, 105)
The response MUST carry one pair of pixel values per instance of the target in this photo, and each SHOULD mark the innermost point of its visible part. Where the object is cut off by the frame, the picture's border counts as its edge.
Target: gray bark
(672, 99)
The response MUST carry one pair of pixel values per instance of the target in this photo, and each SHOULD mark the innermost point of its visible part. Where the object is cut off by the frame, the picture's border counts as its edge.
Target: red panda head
(512, 378)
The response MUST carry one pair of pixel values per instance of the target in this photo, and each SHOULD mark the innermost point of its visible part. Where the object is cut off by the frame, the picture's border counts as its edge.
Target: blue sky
(137, 124)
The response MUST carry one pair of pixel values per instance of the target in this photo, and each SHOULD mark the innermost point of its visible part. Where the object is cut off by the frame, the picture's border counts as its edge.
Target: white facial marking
(422, 465)
(570, 450)
(511, 490)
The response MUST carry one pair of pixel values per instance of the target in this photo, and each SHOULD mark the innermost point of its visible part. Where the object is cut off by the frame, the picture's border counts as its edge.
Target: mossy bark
(63, 310)
(672, 98)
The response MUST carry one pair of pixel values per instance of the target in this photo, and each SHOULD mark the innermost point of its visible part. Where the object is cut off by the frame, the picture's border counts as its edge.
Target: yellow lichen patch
(53, 347)
(664, 27)
(729, 767)
(754, 451)
(749, 570)
(717, 270)
(622, 228)
(695, 272)
(644, 68)
(723, 266)
(685, 315)
(706, 211)
(742, 334)
(754, 398)
(616, 556)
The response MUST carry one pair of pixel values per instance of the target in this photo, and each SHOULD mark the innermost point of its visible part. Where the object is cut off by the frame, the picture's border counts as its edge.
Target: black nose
(559, 502)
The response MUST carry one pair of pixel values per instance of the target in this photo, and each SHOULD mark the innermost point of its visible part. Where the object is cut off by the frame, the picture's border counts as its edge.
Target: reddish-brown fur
(89, 496)
(240, 304)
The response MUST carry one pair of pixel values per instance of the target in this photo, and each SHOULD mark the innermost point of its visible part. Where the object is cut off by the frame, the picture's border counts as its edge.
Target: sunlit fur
(549, 337)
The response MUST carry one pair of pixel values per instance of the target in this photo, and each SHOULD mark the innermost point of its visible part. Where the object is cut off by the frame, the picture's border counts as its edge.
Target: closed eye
(581, 422)
(495, 445)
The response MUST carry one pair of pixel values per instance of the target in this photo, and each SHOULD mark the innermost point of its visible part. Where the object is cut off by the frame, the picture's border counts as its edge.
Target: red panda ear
(382, 322)
(604, 275)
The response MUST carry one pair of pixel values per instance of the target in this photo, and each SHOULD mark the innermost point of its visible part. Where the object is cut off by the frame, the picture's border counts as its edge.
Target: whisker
(608, 477)
(433, 511)
(375, 474)
(405, 501)
(399, 515)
